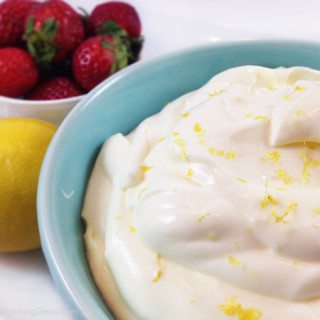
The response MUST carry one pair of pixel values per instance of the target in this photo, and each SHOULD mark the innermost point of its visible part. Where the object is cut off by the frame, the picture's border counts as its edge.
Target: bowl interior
(118, 105)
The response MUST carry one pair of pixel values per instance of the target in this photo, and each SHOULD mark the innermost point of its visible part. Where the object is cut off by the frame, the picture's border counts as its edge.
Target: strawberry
(18, 72)
(55, 88)
(53, 30)
(121, 13)
(12, 15)
(97, 58)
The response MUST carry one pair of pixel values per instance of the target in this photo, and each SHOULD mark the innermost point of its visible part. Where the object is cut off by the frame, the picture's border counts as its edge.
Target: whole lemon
(23, 143)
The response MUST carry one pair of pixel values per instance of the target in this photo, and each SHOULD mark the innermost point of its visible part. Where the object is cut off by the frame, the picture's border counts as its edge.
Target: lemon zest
(146, 168)
(189, 174)
(299, 89)
(274, 156)
(261, 118)
(231, 308)
(231, 154)
(211, 237)
(282, 175)
(183, 153)
(197, 128)
(216, 152)
(290, 207)
(307, 162)
(141, 192)
(204, 216)
(268, 198)
(286, 97)
(233, 261)
(241, 180)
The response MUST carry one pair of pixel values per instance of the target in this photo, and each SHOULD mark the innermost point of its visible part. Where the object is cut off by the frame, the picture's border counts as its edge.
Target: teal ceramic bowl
(118, 105)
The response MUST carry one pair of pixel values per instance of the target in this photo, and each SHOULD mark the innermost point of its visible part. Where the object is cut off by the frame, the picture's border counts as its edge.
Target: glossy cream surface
(211, 208)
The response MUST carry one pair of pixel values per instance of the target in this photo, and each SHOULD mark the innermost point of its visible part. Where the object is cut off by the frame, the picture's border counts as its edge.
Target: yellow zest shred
(141, 192)
(201, 141)
(216, 93)
(232, 308)
(299, 89)
(231, 154)
(204, 216)
(283, 176)
(117, 217)
(284, 189)
(215, 152)
(316, 210)
(299, 113)
(162, 139)
(248, 115)
(175, 134)
(211, 237)
(233, 261)
(272, 88)
(236, 244)
(290, 207)
(254, 275)
(307, 161)
(274, 156)
(158, 276)
(146, 168)
(268, 198)
(213, 94)
(186, 115)
(286, 97)
(183, 153)
(132, 229)
(192, 301)
(261, 118)
(197, 128)
(241, 180)
(189, 174)
(159, 272)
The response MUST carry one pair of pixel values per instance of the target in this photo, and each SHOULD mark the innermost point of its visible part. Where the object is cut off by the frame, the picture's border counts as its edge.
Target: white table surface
(27, 290)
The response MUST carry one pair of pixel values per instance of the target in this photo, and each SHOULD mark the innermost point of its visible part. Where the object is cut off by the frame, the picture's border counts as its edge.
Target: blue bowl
(119, 104)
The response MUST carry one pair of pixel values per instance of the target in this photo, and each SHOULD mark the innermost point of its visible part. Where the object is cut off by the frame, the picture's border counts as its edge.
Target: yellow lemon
(23, 143)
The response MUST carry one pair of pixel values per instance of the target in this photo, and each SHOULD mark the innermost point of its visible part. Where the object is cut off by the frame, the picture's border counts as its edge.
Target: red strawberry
(121, 13)
(18, 72)
(96, 58)
(56, 88)
(53, 31)
(12, 15)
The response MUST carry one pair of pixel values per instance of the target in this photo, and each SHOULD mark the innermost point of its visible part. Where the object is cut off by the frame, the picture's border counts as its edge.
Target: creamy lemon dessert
(210, 209)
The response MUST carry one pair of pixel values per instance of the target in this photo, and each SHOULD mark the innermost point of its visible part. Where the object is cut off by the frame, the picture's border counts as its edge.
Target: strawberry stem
(40, 43)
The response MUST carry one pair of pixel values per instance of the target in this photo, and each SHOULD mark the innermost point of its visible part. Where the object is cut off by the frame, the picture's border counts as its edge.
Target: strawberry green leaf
(40, 42)
(113, 68)
(107, 44)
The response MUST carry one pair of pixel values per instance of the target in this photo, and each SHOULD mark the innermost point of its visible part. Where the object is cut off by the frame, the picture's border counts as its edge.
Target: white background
(27, 290)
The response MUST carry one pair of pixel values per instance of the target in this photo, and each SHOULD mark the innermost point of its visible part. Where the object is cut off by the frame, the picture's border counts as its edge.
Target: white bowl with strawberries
(51, 55)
